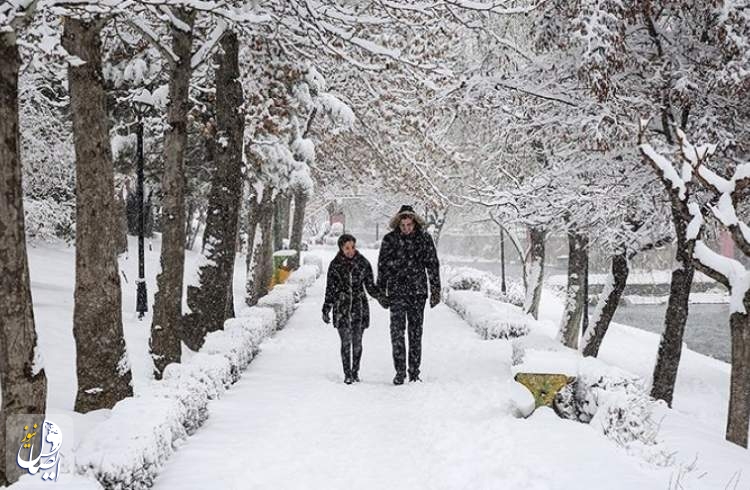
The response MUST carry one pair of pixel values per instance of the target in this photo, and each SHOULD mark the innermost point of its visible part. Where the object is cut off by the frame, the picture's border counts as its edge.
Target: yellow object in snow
(543, 386)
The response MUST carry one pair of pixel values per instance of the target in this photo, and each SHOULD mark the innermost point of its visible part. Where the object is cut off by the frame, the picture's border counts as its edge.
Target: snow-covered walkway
(291, 422)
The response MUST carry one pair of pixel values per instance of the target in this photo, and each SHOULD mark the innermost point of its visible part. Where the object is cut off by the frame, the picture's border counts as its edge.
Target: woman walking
(349, 274)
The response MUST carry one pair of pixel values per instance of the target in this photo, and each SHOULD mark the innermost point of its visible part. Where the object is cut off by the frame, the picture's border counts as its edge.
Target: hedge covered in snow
(608, 398)
(491, 319)
(126, 452)
(490, 285)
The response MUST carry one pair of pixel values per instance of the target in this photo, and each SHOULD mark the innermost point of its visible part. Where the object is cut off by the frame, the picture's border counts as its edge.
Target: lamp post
(142, 103)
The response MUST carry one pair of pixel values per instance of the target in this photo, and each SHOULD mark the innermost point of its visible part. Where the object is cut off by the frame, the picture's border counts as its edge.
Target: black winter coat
(345, 291)
(405, 263)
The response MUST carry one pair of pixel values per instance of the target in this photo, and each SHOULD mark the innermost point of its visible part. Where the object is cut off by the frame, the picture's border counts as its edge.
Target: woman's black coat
(345, 291)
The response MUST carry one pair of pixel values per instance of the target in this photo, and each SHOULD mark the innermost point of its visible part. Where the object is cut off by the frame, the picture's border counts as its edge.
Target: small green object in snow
(544, 386)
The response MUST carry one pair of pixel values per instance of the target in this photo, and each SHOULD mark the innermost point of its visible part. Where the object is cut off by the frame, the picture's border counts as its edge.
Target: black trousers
(351, 347)
(407, 316)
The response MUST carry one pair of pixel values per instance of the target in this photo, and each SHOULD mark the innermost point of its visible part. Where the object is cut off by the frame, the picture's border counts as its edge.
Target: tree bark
(738, 417)
(534, 270)
(262, 255)
(575, 293)
(281, 220)
(22, 380)
(298, 224)
(607, 304)
(208, 301)
(104, 376)
(165, 327)
(670, 346)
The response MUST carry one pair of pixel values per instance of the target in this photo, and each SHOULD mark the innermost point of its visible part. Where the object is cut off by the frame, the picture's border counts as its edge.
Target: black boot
(355, 377)
(399, 379)
(348, 379)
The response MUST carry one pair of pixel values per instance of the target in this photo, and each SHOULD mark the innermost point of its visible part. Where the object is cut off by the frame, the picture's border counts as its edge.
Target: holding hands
(326, 314)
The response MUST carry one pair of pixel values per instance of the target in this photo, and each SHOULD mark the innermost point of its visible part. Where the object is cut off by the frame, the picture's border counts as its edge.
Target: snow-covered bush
(612, 400)
(305, 275)
(313, 260)
(468, 279)
(128, 449)
(282, 301)
(126, 452)
(490, 318)
(191, 393)
(617, 403)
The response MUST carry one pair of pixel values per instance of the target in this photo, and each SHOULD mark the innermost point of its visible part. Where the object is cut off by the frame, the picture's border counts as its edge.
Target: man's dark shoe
(348, 379)
(414, 377)
(399, 379)
(355, 377)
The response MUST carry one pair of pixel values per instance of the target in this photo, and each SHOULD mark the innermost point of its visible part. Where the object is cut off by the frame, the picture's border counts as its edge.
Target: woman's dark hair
(346, 238)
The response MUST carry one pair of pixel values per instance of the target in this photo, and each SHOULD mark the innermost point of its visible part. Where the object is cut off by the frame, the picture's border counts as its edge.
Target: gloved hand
(384, 302)
(434, 299)
(326, 316)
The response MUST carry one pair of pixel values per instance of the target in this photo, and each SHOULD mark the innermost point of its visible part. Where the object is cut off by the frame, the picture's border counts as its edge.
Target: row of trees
(241, 95)
(539, 122)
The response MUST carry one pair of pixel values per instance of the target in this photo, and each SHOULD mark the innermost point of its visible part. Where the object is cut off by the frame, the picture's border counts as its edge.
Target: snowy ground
(290, 422)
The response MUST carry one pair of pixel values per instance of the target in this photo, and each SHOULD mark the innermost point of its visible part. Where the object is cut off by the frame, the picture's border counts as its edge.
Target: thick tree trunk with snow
(298, 225)
(208, 301)
(608, 302)
(281, 220)
(263, 251)
(102, 365)
(575, 292)
(534, 270)
(670, 346)
(22, 379)
(738, 417)
(165, 327)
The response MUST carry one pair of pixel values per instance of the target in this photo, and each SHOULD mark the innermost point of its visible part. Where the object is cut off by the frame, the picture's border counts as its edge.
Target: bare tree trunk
(104, 376)
(607, 305)
(22, 380)
(262, 260)
(281, 220)
(575, 293)
(165, 327)
(534, 270)
(738, 417)
(298, 224)
(208, 302)
(253, 217)
(189, 234)
(670, 346)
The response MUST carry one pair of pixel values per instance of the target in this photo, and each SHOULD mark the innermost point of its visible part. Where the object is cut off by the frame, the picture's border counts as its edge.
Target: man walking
(407, 259)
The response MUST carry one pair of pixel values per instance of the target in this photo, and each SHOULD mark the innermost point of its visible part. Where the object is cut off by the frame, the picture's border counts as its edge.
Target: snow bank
(491, 319)
(305, 275)
(281, 299)
(313, 261)
(129, 448)
(468, 279)
(125, 452)
(608, 398)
